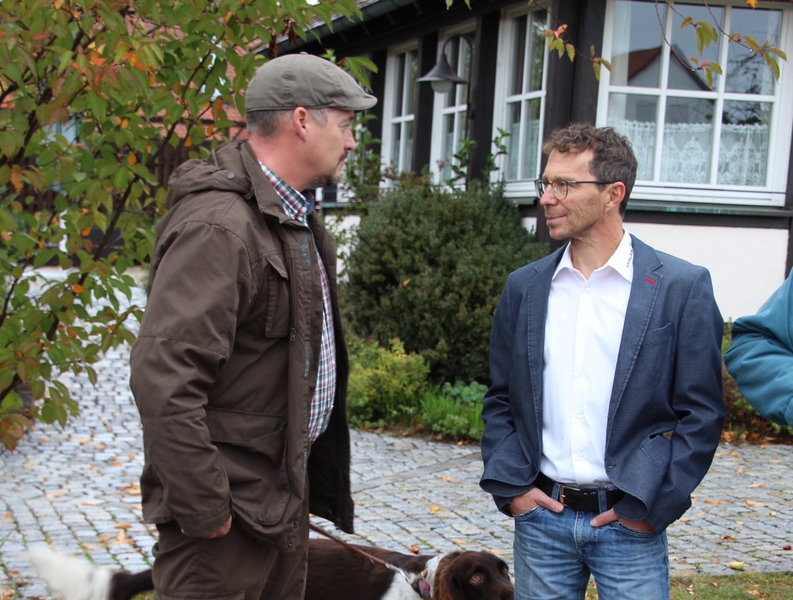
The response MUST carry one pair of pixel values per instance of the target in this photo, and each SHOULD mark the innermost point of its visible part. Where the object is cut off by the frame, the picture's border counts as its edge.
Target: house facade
(715, 181)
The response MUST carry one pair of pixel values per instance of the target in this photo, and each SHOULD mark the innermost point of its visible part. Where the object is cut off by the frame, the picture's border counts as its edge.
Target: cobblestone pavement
(77, 488)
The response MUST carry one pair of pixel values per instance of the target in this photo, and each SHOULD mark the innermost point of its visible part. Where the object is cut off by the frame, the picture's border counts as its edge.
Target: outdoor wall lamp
(442, 76)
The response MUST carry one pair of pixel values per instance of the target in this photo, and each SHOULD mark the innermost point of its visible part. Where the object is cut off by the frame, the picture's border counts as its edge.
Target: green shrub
(428, 266)
(386, 385)
(454, 411)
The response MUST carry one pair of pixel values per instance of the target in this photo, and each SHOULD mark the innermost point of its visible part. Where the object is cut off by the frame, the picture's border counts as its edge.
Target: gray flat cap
(304, 80)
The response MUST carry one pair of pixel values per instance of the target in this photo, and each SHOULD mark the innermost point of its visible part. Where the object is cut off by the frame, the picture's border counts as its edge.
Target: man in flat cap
(240, 367)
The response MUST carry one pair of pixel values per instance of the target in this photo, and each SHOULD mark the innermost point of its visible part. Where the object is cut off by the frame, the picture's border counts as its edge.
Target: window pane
(688, 140)
(513, 141)
(413, 68)
(447, 152)
(453, 55)
(396, 144)
(684, 46)
(408, 146)
(636, 58)
(400, 85)
(747, 72)
(531, 140)
(463, 69)
(743, 152)
(518, 55)
(538, 22)
(634, 117)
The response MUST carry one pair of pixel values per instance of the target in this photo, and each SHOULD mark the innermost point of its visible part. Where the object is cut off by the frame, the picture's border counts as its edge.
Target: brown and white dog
(334, 572)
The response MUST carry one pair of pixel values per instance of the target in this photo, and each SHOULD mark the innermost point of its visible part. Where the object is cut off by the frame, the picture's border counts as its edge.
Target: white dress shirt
(583, 329)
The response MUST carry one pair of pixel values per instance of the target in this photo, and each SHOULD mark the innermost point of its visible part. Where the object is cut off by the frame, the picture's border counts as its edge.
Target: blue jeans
(556, 552)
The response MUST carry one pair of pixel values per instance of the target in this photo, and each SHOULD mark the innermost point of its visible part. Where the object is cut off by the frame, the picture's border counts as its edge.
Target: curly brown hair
(613, 158)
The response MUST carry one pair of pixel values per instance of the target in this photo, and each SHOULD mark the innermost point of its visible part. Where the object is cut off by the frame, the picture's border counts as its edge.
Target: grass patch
(454, 412)
(747, 586)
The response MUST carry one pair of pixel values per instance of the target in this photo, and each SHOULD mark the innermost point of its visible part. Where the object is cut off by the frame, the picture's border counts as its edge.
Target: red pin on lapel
(650, 281)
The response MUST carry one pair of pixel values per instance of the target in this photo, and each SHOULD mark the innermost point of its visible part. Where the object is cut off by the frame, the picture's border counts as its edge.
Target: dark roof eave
(369, 10)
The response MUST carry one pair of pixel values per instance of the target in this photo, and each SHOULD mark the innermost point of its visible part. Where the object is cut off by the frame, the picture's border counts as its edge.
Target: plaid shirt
(297, 207)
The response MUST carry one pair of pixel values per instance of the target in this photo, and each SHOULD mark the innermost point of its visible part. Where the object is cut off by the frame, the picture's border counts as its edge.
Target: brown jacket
(225, 364)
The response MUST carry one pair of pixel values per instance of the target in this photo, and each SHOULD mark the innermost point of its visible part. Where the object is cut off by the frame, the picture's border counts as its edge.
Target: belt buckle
(562, 488)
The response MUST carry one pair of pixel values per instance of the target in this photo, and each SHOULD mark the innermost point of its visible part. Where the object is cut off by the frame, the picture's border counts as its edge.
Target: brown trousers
(234, 567)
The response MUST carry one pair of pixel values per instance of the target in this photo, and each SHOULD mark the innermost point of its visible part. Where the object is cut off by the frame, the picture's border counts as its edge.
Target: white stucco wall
(746, 264)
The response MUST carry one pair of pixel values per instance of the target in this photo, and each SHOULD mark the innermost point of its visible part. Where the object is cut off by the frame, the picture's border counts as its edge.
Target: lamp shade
(441, 76)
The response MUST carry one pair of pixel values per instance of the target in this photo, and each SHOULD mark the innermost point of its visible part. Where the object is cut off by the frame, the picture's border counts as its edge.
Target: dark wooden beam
(425, 98)
(483, 81)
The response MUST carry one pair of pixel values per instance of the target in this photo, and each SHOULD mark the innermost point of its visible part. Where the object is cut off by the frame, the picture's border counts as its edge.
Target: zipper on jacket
(293, 300)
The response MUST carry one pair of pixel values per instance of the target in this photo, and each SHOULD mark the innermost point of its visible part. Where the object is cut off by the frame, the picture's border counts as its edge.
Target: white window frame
(439, 110)
(519, 188)
(770, 194)
(390, 116)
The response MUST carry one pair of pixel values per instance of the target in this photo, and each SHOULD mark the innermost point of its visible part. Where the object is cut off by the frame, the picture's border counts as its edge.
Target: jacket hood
(223, 171)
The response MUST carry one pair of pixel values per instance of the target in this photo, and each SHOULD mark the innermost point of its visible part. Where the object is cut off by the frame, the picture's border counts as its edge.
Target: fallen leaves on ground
(754, 503)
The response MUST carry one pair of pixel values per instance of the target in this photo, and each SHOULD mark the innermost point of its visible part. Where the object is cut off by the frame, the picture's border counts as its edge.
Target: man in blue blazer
(606, 407)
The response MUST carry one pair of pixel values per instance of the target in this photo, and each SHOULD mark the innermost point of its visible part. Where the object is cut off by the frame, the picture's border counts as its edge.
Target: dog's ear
(443, 586)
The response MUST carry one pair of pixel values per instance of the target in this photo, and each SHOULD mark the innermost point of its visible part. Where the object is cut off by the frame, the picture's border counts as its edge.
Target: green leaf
(773, 65)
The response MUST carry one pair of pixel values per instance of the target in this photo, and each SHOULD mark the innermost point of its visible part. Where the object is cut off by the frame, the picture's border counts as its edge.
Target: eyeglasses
(559, 187)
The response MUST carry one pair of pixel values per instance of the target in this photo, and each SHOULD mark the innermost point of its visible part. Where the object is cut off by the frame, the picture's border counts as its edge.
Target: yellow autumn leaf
(754, 503)
(132, 160)
(756, 485)
(736, 564)
(450, 480)
(16, 178)
(122, 526)
(435, 509)
(415, 549)
(751, 3)
(715, 502)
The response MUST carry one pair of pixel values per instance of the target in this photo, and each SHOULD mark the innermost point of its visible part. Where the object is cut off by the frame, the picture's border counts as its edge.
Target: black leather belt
(579, 498)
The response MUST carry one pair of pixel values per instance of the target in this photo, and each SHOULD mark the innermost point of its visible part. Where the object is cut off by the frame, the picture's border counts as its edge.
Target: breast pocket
(657, 336)
(656, 357)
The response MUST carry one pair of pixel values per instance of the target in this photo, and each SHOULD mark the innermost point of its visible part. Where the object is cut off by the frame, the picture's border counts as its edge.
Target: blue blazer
(666, 410)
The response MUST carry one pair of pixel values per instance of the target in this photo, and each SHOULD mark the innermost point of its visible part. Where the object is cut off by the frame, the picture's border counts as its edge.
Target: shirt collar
(621, 261)
(296, 205)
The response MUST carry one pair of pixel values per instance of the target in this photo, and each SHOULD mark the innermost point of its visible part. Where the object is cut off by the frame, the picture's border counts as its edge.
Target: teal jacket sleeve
(760, 358)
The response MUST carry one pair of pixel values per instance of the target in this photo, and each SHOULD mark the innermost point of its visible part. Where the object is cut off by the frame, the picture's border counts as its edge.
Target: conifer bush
(428, 265)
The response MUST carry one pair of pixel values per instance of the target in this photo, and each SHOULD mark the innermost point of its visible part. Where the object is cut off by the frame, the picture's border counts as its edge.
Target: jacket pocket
(276, 323)
(252, 449)
(657, 336)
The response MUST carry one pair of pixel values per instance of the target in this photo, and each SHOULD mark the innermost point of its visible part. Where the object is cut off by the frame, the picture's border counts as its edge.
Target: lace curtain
(687, 147)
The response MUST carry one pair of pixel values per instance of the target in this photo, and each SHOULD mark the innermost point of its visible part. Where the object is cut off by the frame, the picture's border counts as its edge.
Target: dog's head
(471, 576)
